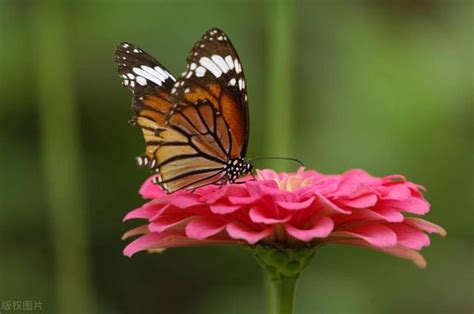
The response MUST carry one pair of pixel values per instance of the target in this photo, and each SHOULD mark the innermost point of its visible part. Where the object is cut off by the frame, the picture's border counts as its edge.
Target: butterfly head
(237, 167)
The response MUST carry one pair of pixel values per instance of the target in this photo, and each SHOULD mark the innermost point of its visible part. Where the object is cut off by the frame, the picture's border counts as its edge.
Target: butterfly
(196, 128)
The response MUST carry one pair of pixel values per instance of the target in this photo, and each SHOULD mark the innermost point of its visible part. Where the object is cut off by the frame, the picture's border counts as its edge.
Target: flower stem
(283, 267)
(282, 295)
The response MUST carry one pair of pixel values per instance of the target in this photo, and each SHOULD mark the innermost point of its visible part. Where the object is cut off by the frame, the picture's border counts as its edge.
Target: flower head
(288, 210)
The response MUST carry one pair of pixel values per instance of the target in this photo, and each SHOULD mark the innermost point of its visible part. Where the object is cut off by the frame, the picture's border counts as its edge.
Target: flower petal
(409, 236)
(260, 214)
(329, 206)
(412, 205)
(243, 200)
(353, 184)
(393, 178)
(144, 243)
(398, 251)
(147, 211)
(266, 174)
(136, 231)
(321, 229)
(398, 193)
(426, 226)
(149, 190)
(180, 200)
(241, 232)
(222, 208)
(297, 205)
(223, 192)
(202, 228)
(156, 242)
(406, 253)
(389, 214)
(364, 201)
(376, 235)
(168, 221)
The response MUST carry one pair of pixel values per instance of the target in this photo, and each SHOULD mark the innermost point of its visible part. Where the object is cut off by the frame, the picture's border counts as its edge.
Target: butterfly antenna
(279, 158)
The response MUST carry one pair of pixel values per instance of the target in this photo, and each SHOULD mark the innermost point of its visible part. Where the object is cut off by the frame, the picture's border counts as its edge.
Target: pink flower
(289, 210)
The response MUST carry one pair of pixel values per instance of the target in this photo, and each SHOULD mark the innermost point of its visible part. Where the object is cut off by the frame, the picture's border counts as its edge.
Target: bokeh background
(382, 85)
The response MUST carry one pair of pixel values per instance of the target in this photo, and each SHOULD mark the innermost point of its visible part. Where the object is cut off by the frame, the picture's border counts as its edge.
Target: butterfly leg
(222, 182)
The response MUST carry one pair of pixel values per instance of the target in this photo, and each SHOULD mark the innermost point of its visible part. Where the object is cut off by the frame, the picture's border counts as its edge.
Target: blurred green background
(382, 85)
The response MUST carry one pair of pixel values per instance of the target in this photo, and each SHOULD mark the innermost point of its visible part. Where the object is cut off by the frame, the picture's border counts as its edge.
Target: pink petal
(409, 236)
(398, 193)
(164, 209)
(203, 228)
(238, 231)
(266, 174)
(149, 190)
(321, 229)
(147, 211)
(159, 241)
(389, 214)
(351, 186)
(393, 178)
(376, 235)
(136, 231)
(296, 205)
(412, 205)
(364, 201)
(168, 221)
(330, 207)
(426, 226)
(222, 208)
(183, 241)
(144, 243)
(260, 214)
(271, 188)
(244, 200)
(181, 200)
(406, 253)
(398, 251)
(224, 192)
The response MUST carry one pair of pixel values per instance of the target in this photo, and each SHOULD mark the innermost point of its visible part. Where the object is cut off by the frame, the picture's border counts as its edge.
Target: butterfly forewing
(150, 82)
(140, 72)
(214, 75)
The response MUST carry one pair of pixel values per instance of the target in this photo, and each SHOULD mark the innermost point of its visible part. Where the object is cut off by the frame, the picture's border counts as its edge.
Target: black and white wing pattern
(140, 72)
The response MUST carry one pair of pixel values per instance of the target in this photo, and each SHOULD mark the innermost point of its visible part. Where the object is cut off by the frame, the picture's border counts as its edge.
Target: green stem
(283, 267)
(283, 293)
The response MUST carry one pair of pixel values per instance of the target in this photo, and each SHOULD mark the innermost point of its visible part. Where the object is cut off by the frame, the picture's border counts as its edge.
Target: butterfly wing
(211, 111)
(214, 75)
(140, 72)
(193, 127)
(150, 83)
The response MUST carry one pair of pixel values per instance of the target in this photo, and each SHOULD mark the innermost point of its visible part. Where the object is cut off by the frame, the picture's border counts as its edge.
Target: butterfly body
(195, 127)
